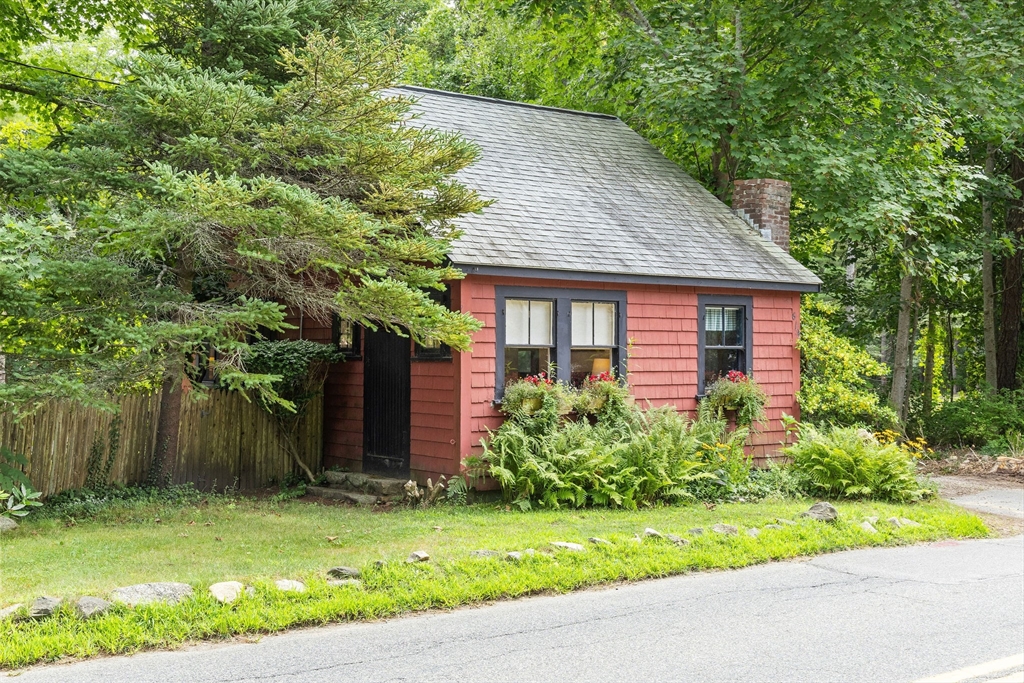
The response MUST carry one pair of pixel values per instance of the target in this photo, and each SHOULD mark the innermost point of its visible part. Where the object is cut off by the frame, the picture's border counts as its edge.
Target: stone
(7, 524)
(290, 586)
(344, 573)
(772, 526)
(336, 478)
(417, 556)
(868, 527)
(727, 529)
(597, 540)
(484, 553)
(895, 522)
(823, 512)
(871, 520)
(341, 583)
(652, 533)
(909, 522)
(753, 532)
(43, 607)
(696, 531)
(227, 592)
(787, 522)
(572, 547)
(89, 606)
(517, 555)
(678, 540)
(10, 611)
(168, 592)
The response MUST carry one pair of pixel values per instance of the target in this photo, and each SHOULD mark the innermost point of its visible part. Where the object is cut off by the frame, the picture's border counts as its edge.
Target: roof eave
(636, 278)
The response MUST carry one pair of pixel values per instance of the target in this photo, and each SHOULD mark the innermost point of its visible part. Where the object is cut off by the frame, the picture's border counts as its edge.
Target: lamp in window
(601, 365)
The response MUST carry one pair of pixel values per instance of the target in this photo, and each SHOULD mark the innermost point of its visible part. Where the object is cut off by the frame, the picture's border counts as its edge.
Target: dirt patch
(956, 486)
(969, 462)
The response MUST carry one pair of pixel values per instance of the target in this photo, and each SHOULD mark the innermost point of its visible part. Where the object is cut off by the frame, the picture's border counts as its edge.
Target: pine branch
(57, 71)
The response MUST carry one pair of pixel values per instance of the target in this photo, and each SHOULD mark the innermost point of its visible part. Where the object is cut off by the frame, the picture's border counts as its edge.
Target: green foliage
(85, 503)
(835, 386)
(742, 394)
(101, 456)
(313, 193)
(847, 462)
(19, 501)
(11, 469)
(299, 368)
(977, 419)
(626, 457)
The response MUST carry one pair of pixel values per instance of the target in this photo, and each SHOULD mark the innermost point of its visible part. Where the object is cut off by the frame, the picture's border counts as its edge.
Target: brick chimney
(764, 202)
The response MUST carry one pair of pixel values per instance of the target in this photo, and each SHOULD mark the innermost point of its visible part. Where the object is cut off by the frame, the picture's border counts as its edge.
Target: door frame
(396, 465)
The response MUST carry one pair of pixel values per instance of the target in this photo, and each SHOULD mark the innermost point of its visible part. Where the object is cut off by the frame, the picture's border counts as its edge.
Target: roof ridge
(512, 103)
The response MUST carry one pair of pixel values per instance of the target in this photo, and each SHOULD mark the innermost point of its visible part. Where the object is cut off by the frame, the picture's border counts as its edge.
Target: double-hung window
(723, 338)
(569, 334)
(593, 339)
(529, 337)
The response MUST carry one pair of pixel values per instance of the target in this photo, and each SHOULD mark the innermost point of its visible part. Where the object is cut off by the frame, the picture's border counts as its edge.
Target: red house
(597, 253)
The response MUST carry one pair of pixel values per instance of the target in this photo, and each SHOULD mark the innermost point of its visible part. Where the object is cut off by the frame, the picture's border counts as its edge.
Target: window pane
(718, 362)
(712, 326)
(517, 321)
(604, 324)
(540, 323)
(521, 362)
(582, 323)
(345, 334)
(732, 334)
(586, 362)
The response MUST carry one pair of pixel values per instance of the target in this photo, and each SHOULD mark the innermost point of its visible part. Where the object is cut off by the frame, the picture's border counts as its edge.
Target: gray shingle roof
(584, 193)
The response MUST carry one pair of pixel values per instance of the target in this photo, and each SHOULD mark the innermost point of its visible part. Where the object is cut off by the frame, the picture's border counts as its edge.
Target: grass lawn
(258, 541)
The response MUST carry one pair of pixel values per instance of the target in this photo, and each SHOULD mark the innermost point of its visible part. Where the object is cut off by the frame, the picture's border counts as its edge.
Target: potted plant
(739, 393)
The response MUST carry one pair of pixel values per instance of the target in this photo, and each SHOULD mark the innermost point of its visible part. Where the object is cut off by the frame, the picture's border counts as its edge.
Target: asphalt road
(898, 614)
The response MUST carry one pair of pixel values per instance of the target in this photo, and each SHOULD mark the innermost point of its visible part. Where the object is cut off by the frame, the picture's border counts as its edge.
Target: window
(568, 333)
(593, 339)
(529, 336)
(724, 337)
(345, 335)
(432, 349)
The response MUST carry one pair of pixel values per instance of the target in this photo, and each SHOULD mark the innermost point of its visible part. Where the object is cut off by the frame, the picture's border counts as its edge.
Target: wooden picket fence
(222, 441)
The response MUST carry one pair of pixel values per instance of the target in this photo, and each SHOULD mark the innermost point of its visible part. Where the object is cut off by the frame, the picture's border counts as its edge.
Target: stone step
(357, 481)
(354, 497)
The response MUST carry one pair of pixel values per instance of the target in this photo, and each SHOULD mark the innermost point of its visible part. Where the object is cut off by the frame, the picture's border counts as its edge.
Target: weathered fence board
(222, 441)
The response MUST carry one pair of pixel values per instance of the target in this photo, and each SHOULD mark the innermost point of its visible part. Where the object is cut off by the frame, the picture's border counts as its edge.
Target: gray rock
(7, 524)
(227, 592)
(678, 540)
(754, 532)
(89, 606)
(871, 520)
(868, 527)
(572, 547)
(895, 522)
(652, 533)
(727, 529)
(417, 556)
(823, 512)
(341, 583)
(772, 526)
(909, 522)
(787, 522)
(43, 607)
(696, 531)
(10, 611)
(344, 573)
(596, 540)
(168, 592)
(290, 586)
(379, 563)
(484, 553)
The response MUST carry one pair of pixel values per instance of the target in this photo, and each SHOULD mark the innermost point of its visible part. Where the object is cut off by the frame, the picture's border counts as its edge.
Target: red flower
(735, 376)
(603, 377)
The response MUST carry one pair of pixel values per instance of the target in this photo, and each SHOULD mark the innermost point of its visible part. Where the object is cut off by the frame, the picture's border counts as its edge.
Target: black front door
(386, 403)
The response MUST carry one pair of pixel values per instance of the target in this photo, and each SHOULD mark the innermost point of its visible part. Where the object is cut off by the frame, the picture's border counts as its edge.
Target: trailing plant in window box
(537, 402)
(604, 396)
(738, 392)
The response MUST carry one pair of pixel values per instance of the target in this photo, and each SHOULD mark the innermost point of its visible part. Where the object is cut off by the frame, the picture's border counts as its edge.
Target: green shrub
(738, 392)
(977, 420)
(85, 503)
(847, 462)
(834, 375)
(611, 453)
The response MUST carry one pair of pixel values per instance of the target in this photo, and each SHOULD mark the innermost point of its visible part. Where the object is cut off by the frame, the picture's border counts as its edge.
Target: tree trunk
(167, 426)
(929, 364)
(851, 281)
(988, 279)
(1008, 344)
(901, 357)
(951, 354)
(911, 358)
